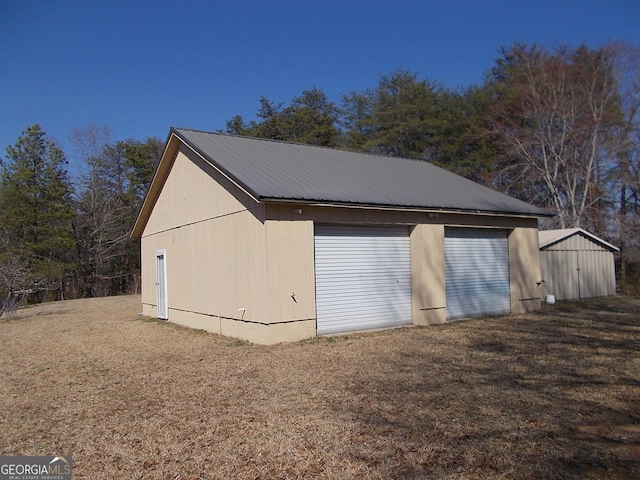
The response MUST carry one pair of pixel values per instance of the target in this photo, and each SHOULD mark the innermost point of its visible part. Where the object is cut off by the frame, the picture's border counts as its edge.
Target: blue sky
(140, 67)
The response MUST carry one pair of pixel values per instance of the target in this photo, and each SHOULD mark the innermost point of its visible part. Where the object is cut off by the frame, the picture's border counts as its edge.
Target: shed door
(363, 278)
(596, 273)
(560, 272)
(571, 274)
(476, 272)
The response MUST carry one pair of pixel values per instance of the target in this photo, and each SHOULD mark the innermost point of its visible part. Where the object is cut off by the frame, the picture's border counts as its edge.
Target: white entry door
(161, 284)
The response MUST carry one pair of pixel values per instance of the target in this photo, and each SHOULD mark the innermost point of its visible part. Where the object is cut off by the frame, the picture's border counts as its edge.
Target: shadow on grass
(550, 395)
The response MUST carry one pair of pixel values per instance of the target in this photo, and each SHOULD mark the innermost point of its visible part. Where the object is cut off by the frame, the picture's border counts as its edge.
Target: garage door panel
(365, 287)
(476, 272)
(363, 278)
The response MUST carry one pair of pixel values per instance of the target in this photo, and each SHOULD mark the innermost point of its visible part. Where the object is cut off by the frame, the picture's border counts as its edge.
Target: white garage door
(476, 272)
(363, 278)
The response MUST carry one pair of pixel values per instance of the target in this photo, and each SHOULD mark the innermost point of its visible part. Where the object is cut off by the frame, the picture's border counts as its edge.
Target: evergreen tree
(237, 126)
(456, 141)
(272, 124)
(310, 119)
(35, 210)
(399, 117)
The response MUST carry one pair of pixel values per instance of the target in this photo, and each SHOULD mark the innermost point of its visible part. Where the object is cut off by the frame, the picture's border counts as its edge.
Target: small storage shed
(272, 241)
(576, 264)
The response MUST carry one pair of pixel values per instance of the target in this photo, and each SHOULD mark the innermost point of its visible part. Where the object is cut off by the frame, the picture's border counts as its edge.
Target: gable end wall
(215, 241)
(576, 242)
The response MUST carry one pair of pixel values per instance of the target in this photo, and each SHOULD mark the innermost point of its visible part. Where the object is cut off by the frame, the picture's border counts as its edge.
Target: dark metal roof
(280, 171)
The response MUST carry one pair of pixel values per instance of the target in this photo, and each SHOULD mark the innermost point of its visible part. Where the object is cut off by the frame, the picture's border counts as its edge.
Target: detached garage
(271, 241)
(576, 264)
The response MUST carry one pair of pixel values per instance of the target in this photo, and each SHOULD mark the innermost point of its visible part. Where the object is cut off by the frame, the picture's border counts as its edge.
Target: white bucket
(551, 299)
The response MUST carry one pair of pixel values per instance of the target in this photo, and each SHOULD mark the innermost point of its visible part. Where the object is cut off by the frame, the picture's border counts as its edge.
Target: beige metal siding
(230, 270)
(577, 267)
(597, 273)
(215, 243)
(427, 274)
(290, 269)
(576, 242)
(213, 273)
(371, 216)
(195, 192)
(524, 269)
(559, 272)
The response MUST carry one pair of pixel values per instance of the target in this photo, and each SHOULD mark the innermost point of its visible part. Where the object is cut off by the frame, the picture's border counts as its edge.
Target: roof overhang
(157, 182)
(399, 208)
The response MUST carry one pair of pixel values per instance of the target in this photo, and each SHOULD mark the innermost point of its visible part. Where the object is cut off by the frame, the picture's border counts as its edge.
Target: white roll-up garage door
(363, 278)
(476, 272)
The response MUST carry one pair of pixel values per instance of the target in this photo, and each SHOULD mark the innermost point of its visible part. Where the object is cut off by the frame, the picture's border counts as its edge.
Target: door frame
(162, 311)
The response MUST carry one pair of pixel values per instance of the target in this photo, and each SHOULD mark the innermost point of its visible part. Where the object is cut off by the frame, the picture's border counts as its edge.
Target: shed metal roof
(551, 237)
(279, 171)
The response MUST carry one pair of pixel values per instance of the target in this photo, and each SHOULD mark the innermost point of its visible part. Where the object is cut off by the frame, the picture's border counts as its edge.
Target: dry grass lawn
(550, 395)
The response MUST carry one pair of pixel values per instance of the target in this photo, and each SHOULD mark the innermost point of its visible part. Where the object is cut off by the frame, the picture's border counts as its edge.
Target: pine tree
(310, 119)
(400, 117)
(35, 210)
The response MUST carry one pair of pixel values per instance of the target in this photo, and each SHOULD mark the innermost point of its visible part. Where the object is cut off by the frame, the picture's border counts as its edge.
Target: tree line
(559, 128)
(67, 238)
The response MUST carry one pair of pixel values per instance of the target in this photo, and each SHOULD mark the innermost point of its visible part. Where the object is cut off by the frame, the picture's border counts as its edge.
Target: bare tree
(114, 180)
(18, 277)
(14, 277)
(555, 116)
(627, 228)
(98, 225)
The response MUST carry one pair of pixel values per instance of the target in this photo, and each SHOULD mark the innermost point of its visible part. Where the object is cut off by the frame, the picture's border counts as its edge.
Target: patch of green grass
(151, 319)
